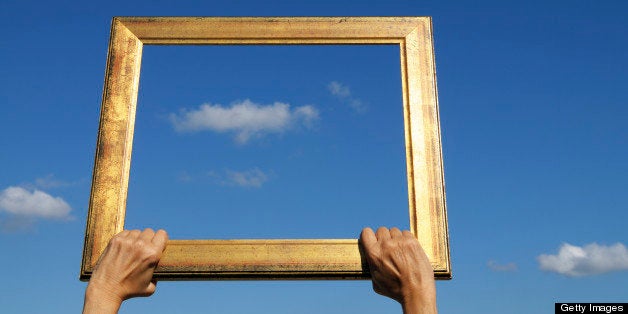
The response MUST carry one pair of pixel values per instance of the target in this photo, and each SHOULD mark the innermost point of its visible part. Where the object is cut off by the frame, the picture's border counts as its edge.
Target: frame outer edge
(115, 135)
(444, 219)
(427, 165)
(88, 245)
(434, 151)
(113, 149)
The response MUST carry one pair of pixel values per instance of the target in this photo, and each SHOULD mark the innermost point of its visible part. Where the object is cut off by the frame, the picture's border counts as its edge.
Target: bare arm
(124, 270)
(400, 269)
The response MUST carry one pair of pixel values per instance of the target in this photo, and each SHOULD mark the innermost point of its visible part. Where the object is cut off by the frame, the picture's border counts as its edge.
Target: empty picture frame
(269, 258)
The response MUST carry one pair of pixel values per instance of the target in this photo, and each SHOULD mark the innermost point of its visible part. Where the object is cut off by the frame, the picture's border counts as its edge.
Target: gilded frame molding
(268, 258)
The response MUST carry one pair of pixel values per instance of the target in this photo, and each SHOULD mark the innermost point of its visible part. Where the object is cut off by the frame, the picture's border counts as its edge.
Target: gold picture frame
(269, 258)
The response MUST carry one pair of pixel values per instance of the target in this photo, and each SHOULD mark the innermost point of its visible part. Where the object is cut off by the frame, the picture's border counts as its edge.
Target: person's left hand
(125, 269)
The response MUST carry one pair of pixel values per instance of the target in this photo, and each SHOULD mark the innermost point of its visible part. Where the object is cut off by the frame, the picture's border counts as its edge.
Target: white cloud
(343, 93)
(246, 119)
(337, 89)
(35, 204)
(250, 178)
(357, 105)
(591, 259)
(493, 265)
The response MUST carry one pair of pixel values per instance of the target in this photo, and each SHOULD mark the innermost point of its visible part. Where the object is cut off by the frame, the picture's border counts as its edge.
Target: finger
(134, 234)
(102, 256)
(160, 238)
(147, 235)
(420, 248)
(152, 286)
(395, 233)
(367, 237)
(123, 233)
(409, 234)
(369, 244)
(120, 235)
(382, 234)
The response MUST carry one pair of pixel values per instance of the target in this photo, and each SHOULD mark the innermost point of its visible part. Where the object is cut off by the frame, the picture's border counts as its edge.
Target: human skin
(398, 265)
(125, 270)
(400, 269)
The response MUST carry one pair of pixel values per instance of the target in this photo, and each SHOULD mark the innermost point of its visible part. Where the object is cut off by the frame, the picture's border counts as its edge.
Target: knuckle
(151, 258)
(117, 241)
(139, 245)
(150, 253)
(409, 242)
(389, 245)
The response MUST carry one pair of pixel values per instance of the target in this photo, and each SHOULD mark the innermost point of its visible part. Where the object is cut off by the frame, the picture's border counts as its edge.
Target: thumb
(152, 286)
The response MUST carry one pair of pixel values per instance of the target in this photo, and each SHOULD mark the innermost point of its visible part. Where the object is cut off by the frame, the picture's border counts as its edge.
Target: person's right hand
(400, 269)
(125, 270)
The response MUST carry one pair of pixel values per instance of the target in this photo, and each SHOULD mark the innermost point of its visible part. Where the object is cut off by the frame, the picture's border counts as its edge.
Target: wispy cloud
(591, 259)
(51, 182)
(245, 119)
(493, 265)
(34, 203)
(184, 176)
(337, 89)
(250, 178)
(343, 93)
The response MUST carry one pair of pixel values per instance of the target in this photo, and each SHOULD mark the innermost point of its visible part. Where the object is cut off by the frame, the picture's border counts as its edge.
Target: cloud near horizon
(591, 259)
(245, 118)
(19, 201)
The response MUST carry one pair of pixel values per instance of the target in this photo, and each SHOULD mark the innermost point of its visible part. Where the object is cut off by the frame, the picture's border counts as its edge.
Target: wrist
(415, 306)
(419, 300)
(99, 299)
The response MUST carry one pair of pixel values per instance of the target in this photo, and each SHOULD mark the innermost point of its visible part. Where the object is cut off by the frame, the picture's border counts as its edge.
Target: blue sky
(533, 114)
